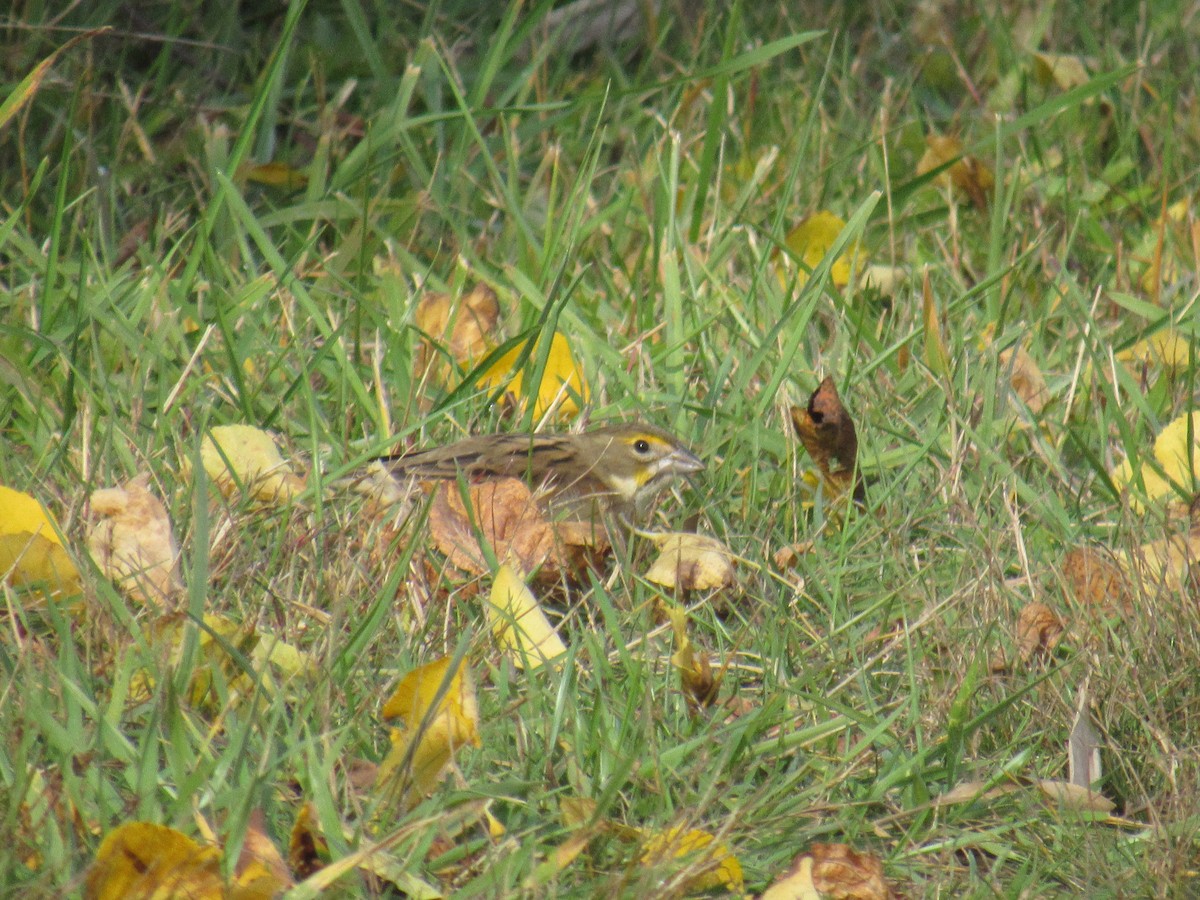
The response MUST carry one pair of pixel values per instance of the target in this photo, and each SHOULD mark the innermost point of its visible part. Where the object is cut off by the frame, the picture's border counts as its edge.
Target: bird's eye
(641, 445)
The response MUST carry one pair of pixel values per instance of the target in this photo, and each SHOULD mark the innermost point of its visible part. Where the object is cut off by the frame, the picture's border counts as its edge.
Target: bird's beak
(684, 462)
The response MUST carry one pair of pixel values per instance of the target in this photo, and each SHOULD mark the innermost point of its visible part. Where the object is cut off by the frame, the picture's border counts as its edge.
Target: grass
(638, 196)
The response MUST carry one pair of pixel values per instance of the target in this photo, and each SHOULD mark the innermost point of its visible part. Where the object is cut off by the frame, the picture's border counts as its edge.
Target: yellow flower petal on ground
(30, 548)
(562, 389)
(520, 625)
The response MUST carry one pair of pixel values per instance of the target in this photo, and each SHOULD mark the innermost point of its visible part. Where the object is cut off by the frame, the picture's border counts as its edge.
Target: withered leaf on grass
(811, 240)
(1039, 629)
(132, 542)
(562, 390)
(30, 548)
(244, 456)
(717, 866)
(1026, 378)
(1094, 578)
(827, 433)
(519, 624)
(967, 174)
(142, 859)
(695, 672)
(690, 562)
(1177, 452)
(440, 716)
(511, 522)
(463, 329)
(832, 870)
(507, 517)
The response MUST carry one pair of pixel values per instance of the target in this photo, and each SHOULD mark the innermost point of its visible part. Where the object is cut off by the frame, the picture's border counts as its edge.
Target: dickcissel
(620, 467)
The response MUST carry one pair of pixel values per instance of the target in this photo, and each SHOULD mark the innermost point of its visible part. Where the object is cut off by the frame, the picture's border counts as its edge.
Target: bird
(621, 467)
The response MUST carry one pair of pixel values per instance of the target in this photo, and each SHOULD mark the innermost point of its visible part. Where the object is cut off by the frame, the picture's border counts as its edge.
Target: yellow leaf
(937, 357)
(520, 625)
(1176, 456)
(30, 548)
(692, 562)
(720, 867)
(274, 174)
(440, 715)
(811, 240)
(1167, 348)
(695, 671)
(1065, 71)
(967, 174)
(245, 455)
(562, 389)
(144, 860)
(132, 542)
(462, 330)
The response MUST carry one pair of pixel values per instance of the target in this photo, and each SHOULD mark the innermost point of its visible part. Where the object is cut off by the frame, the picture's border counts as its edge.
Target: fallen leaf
(788, 557)
(519, 624)
(132, 542)
(937, 357)
(719, 868)
(796, 884)
(690, 562)
(1074, 798)
(244, 456)
(141, 859)
(1167, 348)
(1094, 578)
(1166, 564)
(260, 870)
(273, 174)
(827, 433)
(1039, 630)
(695, 672)
(1025, 377)
(967, 174)
(1060, 69)
(440, 716)
(562, 390)
(30, 548)
(507, 517)
(832, 871)
(811, 240)
(462, 329)
(1175, 452)
(308, 851)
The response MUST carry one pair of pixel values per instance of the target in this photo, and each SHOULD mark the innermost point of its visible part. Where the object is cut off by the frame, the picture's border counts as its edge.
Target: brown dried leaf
(132, 542)
(1093, 578)
(832, 871)
(827, 433)
(788, 557)
(1039, 629)
(508, 518)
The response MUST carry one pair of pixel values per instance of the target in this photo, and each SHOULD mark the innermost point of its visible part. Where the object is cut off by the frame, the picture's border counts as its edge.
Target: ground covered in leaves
(918, 285)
